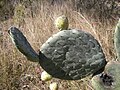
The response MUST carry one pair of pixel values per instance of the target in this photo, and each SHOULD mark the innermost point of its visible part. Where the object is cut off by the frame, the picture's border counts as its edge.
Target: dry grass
(16, 73)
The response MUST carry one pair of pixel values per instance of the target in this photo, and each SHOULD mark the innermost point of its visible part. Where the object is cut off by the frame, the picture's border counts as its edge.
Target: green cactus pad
(117, 40)
(71, 54)
(109, 79)
(20, 41)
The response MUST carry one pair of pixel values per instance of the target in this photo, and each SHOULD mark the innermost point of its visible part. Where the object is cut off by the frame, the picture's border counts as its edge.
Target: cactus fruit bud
(61, 23)
(109, 79)
(45, 76)
(53, 86)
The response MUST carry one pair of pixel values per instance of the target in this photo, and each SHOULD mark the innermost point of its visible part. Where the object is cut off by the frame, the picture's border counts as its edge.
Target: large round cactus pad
(71, 54)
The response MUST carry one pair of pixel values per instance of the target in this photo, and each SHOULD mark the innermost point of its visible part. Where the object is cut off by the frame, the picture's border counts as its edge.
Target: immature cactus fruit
(45, 76)
(109, 79)
(117, 39)
(62, 22)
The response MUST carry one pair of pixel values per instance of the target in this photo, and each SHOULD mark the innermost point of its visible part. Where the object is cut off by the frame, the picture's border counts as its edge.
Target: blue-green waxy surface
(71, 54)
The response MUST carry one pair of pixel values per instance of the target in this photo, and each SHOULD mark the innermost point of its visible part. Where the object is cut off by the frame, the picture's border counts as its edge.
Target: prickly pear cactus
(69, 54)
(117, 40)
(109, 79)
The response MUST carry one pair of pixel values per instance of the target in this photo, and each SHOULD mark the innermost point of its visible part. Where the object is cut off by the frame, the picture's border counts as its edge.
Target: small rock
(53, 86)
(45, 76)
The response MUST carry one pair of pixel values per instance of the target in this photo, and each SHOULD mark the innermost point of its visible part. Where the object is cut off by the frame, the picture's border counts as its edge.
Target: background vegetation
(35, 18)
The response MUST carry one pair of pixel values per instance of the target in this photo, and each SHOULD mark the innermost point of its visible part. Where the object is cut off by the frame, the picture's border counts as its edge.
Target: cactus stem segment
(117, 39)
